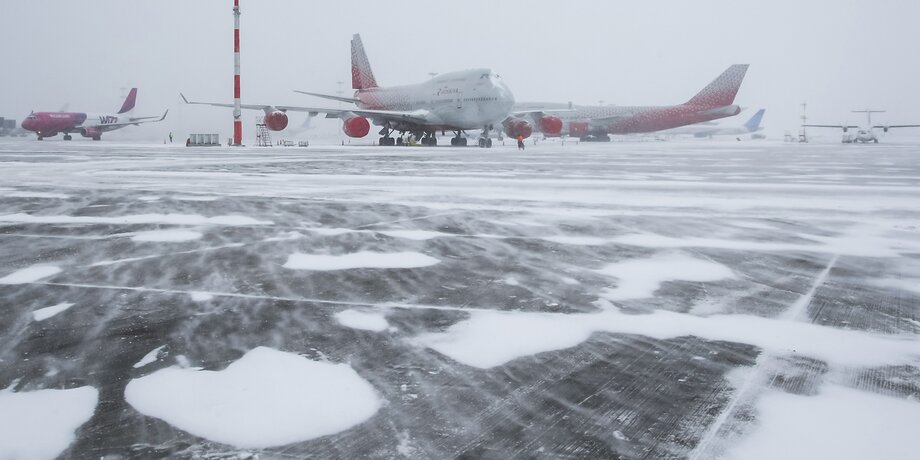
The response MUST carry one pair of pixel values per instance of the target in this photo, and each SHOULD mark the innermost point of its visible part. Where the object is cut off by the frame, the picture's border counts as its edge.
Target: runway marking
(757, 373)
(154, 256)
(348, 303)
(800, 307)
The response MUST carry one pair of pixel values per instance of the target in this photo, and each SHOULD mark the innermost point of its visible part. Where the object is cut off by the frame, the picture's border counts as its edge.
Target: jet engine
(94, 133)
(276, 120)
(356, 126)
(550, 125)
(885, 128)
(515, 127)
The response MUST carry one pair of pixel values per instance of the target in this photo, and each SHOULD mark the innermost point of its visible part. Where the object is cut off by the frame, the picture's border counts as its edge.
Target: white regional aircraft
(864, 134)
(456, 101)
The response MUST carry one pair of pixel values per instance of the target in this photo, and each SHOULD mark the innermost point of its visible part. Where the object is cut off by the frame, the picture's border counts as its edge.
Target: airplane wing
(132, 121)
(415, 116)
(896, 126)
(539, 112)
(349, 100)
(832, 126)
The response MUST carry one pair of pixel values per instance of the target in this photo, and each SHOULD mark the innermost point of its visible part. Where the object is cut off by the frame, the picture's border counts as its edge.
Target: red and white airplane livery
(457, 101)
(717, 100)
(49, 124)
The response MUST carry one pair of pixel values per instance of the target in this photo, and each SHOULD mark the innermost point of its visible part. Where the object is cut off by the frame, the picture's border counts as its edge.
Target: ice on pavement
(42, 424)
(30, 274)
(363, 259)
(838, 422)
(44, 313)
(266, 398)
(149, 357)
(640, 278)
(367, 320)
(173, 236)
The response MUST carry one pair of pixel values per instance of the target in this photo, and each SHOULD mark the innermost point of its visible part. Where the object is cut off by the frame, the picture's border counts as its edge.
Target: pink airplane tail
(128, 105)
(362, 77)
(722, 90)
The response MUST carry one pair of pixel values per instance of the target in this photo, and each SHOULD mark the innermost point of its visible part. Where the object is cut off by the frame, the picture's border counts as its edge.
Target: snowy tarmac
(691, 299)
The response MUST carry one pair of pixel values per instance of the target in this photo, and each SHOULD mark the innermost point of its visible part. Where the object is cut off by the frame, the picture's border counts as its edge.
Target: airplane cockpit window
(32, 117)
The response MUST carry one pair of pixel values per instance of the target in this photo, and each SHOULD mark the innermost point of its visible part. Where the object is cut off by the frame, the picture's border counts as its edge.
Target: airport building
(7, 126)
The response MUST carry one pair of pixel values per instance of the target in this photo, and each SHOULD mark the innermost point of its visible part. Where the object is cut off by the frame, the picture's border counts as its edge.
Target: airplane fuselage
(603, 120)
(468, 99)
(49, 124)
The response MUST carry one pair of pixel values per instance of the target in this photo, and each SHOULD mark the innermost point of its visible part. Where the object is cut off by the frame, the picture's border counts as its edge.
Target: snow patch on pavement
(363, 259)
(492, 338)
(906, 284)
(30, 274)
(199, 296)
(640, 278)
(577, 240)
(416, 235)
(838, 423)
(266, 398)
(195, 198)
(44, 313)
(36, 195)
(167, 236)
(366, 320)
(42, 424)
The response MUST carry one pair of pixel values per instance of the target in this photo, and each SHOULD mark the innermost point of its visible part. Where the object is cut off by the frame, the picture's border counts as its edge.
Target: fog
(836, 55)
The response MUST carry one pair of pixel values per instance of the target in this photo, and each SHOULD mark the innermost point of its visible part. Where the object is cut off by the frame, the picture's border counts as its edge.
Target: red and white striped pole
(237, 110)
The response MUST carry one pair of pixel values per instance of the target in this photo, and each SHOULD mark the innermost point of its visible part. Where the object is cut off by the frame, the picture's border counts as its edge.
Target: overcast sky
(837, 55)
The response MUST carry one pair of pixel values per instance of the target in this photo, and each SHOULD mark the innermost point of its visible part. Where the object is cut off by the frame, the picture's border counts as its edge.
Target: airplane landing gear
(485, 141)
(67, 137)
(430, 140)
(40, 137)
(459, 140)
(386, 140)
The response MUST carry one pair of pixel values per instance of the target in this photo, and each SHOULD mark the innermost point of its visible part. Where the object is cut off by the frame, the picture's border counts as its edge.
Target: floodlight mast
(237, 109)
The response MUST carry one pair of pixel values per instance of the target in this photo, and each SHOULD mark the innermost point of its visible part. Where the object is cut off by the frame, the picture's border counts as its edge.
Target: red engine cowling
(518, 127)
(94, 133)
(356, 127)
(550, 125)
(578, 128)
(276, 121)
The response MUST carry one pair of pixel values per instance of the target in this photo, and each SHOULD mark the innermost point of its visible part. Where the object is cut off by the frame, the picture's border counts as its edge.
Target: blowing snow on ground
(628, 300)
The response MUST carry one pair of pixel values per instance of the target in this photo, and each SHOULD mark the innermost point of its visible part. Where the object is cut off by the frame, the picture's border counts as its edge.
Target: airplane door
(460, 100)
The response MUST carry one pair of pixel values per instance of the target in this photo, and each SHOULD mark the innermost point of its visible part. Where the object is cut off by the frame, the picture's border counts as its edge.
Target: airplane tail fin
(722, 90)
(362, 77)
(754, 123)
(128, 105)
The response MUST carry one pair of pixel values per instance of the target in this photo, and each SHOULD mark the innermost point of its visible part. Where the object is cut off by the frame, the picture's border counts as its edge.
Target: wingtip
(183, 97)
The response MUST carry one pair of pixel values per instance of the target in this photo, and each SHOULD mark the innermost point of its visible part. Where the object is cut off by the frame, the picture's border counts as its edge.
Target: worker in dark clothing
(520, 142)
